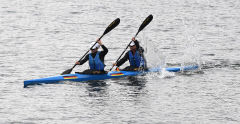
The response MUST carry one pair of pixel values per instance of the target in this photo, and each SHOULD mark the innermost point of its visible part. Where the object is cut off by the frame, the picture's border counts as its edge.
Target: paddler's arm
(104, 52)
(86, 58)
(105, 49)
(137, 45)
(135, 42)
(123, 60)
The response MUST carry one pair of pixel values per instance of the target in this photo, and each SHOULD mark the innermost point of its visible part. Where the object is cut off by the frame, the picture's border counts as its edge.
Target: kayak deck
(113, 74)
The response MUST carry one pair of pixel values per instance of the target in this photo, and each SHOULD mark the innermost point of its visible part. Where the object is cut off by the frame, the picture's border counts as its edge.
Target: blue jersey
(95, 63)
(136, 60)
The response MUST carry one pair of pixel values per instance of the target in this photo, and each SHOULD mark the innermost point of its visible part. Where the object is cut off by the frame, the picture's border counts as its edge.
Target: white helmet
(132, 43)
(95, 46)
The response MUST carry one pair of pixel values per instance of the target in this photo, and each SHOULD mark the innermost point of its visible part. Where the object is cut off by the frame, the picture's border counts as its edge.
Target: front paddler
(95, 59)
(135, 56)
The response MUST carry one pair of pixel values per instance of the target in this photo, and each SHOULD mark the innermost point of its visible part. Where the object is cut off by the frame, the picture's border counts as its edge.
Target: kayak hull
(113, 74)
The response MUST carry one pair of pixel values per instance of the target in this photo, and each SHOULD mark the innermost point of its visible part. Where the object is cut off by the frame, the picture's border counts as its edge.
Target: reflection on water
(99, 88)
(99, 83)
(132, 81)
(96, 88)
(133, 85)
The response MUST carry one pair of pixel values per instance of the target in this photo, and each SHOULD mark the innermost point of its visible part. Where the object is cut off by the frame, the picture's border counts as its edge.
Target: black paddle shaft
(143, 25)
(108, 29)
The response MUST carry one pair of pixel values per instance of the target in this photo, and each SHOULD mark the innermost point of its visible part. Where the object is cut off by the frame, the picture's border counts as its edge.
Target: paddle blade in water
(67, 71)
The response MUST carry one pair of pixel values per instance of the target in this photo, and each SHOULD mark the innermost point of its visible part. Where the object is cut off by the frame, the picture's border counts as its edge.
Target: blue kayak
(113, 74)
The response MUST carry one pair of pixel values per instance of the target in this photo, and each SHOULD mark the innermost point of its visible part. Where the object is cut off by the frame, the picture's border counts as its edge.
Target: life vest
(136, 60)
(95, 63)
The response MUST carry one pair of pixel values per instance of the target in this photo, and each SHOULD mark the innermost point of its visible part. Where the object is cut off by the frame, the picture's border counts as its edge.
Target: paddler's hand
(100, 42)
(133, 39)
(77, 63)
(114, 64)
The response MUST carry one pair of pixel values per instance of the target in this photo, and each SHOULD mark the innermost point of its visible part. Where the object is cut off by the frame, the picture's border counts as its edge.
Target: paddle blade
(67, 71)
(112, 26)
(145, 23)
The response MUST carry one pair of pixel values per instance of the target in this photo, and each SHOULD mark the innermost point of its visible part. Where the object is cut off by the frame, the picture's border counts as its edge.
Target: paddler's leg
(129, 68)
(99, 72)
(88, 71)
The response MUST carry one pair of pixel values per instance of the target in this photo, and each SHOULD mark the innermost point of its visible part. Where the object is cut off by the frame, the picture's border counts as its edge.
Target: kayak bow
(113, 74)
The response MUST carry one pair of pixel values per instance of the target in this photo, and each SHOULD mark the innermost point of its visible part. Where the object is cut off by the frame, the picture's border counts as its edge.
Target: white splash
(166, 74)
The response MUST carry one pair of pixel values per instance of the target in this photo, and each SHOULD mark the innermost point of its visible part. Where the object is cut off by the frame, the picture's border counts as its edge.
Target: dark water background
(41, 38)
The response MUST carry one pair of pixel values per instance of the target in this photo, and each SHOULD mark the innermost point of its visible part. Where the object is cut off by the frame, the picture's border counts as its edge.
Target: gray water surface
(42, 38)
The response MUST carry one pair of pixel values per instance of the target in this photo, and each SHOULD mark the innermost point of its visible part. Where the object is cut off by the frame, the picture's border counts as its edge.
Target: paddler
(135, 56)
(95, 59)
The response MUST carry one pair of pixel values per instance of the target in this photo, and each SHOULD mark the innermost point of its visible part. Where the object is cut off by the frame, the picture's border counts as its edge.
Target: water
(41, 38)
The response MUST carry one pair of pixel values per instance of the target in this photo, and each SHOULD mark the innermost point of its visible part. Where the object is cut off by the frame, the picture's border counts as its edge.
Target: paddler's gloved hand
(77, 63)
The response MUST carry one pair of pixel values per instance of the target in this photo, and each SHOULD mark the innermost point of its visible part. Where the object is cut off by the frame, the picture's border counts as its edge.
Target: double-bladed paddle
(143, 25)
(108, 29)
